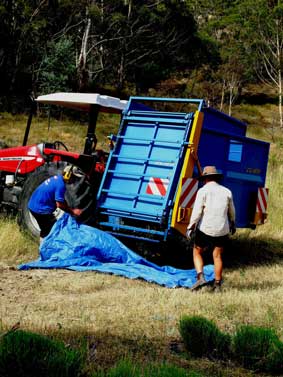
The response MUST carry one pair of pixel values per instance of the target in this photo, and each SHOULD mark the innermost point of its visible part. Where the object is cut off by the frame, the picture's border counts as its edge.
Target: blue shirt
(43, 199)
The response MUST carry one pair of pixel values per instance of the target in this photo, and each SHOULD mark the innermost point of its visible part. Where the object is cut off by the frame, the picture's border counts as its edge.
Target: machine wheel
(81, 194)
(78, 194)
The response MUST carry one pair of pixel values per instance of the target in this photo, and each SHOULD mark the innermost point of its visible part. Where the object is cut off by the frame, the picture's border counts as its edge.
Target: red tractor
(23, 168)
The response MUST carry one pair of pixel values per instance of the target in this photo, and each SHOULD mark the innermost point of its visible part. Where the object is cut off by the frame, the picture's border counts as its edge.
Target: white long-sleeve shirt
(213, 209)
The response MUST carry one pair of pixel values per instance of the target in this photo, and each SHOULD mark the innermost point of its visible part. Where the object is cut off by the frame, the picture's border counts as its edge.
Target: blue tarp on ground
(83, 248)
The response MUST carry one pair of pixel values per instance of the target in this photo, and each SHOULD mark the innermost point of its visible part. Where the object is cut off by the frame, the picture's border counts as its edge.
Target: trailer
(144, 187)
(150, 181)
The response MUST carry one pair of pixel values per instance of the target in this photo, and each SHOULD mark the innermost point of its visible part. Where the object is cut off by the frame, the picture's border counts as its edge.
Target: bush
(126, 368)
(258, 348)
(274, 362)
(167, 370)
(25, 354)
(203, 338)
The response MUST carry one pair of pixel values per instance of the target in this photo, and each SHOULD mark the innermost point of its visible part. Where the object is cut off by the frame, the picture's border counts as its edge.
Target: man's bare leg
(218, 264)
(198, 260)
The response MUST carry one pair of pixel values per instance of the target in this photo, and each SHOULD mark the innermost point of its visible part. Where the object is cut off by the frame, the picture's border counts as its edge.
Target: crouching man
(49, 196)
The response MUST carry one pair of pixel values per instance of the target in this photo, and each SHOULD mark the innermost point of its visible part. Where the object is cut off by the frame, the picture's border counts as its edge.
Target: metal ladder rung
(131, 214)
(161, 113)
(142, 160)
(126, 227)
(132, 175)
(148, 198)
(157, 120)
(150, 141)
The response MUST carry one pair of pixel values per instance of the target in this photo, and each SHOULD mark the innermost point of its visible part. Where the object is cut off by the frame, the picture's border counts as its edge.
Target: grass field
(119, 317)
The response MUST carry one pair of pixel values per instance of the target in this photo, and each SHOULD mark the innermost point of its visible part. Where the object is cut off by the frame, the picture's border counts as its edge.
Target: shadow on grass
(240, 251)
(252, 251)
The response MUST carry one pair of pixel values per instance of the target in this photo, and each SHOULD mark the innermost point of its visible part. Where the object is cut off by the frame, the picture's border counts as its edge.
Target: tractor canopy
(84, 101)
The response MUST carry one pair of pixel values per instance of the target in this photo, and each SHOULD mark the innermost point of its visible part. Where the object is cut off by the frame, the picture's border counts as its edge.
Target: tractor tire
(78, 194)
(81, 194)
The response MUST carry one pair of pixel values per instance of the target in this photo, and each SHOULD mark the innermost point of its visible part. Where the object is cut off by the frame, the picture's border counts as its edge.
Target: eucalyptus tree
(20, 32)
(27, 27)
(263, 31)
(218, 23)
(125, 41)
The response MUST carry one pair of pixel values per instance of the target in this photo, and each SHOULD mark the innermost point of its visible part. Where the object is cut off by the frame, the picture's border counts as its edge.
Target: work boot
(201, 282)
(217, 286)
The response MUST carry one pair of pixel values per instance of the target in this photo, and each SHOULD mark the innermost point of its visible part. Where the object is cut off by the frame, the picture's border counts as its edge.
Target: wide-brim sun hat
(210, 172)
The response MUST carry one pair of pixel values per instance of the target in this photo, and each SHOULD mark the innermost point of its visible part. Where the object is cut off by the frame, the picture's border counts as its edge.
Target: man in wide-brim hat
(212, 219)
(210, 172)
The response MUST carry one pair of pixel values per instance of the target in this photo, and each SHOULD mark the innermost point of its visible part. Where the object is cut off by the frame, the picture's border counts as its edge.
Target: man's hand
(77, 211)
(189, 233)
(72, 211)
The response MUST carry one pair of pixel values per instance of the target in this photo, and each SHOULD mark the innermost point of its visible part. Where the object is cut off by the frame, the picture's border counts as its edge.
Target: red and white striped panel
(262, 196)
(188, 192)
(157, 186)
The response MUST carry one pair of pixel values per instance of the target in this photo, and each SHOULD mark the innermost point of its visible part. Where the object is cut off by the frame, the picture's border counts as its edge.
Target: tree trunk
(230, 100)
(279, 58)
(81, 64)
(222, 95)
(280, 98)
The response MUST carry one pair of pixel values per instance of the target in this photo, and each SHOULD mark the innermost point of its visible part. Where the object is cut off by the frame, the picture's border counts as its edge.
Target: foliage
(26, 354)
(57, 69)
(258, 348)
(203, 338)
(126, 368)
(125, 48)
(114, 46)
(262, 27)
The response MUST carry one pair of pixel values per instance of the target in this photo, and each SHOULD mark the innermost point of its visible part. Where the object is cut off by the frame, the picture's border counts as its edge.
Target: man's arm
(231, 210)
(72, 211)
(197, 212)
(232, 215)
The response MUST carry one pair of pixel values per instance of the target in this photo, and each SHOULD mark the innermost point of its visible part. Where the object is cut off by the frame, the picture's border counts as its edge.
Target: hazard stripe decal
(261, 205)
(188, 192)
(157, 186)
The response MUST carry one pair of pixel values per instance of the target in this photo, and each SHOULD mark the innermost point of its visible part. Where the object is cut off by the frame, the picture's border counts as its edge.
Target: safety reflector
(157, 186)
(188, 192)
(262, 196)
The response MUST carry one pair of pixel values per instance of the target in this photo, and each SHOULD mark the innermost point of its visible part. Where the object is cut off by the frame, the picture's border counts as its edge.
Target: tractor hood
(84, 101)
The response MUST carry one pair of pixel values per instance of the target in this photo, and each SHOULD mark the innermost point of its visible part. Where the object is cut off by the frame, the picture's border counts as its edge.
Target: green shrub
(126, 368)
(25, 354)
(274, 362)
(203, 338)
(166, 370)
(258, 349)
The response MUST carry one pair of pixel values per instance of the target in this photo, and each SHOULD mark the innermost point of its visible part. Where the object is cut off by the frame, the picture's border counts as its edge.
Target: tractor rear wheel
(78, 194)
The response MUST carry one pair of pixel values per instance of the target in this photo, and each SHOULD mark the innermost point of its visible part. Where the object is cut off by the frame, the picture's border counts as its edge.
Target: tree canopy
(211, 48)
